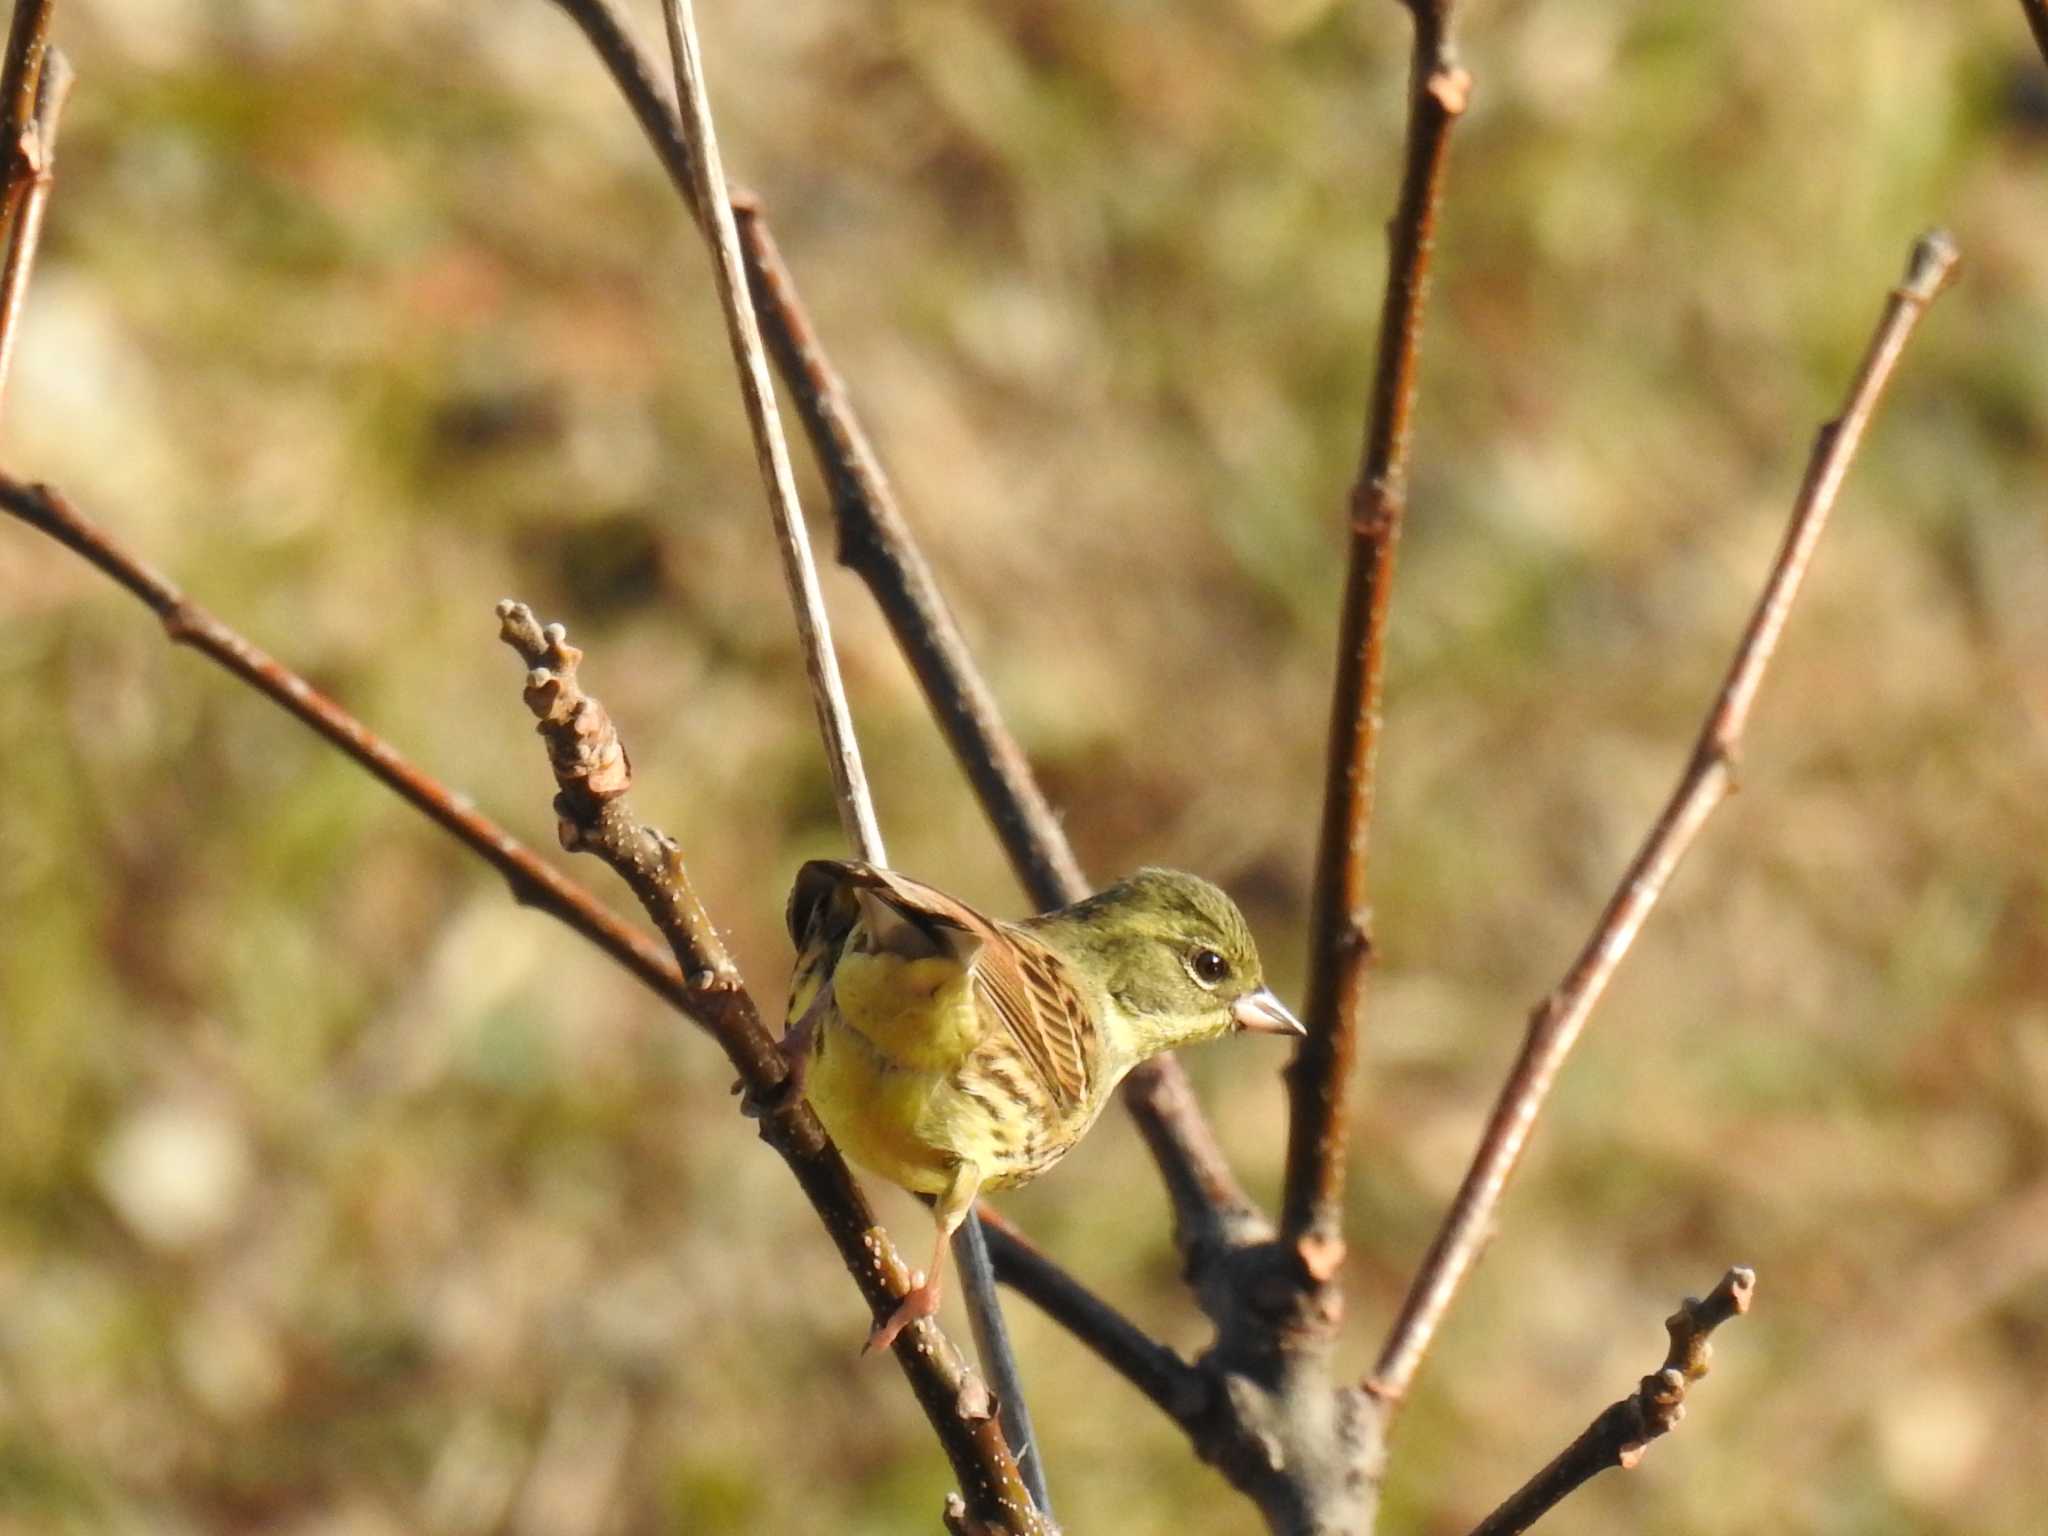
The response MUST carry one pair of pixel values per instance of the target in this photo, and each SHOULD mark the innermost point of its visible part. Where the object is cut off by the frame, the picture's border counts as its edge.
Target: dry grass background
(339, 1195)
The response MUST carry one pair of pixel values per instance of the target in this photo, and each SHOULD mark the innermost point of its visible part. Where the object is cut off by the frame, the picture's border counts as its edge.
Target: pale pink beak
(1264, 1014)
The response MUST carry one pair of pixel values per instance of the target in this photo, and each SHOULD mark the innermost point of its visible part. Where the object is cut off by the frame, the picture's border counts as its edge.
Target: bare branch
(28, 40)
(533, 882)
(52, 88)
(594, 774)
(1340, 926)
(877, 544)
(1176, 1388)
(2037, 18)
(1211, 1212)
(1623, 1432)
(757, 390)
(1708, 779)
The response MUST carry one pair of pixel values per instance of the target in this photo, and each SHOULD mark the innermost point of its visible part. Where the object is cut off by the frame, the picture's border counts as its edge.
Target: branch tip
(1931, 267)
(1623, 1431)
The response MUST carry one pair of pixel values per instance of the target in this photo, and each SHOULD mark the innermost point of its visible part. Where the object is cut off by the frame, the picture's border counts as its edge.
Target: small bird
(950, 1052)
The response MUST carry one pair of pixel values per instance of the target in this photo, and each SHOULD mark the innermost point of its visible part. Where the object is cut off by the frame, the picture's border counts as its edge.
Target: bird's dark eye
(1207, 967)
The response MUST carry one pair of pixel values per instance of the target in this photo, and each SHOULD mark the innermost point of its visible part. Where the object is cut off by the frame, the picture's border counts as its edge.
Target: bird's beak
(1264, 1014)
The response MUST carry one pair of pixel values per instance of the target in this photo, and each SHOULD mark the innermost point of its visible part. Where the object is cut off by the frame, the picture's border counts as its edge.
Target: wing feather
(1020, 987)
(1027, 995)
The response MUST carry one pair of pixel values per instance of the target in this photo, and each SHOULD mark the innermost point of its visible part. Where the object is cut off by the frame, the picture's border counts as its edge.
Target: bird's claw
(784, 1095)
(918, 1303)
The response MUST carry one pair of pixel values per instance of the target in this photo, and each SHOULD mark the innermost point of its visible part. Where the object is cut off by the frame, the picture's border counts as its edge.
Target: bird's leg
(800, 1038)
(922, 1299)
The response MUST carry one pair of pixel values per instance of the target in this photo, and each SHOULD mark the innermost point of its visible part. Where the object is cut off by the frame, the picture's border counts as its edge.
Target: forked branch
(1340, 923)
(1624, 1430)
(1708, 779)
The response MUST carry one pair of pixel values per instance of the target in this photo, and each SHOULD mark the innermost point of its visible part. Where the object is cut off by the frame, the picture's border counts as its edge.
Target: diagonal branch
(1176, 1388)
(594, 775)
(1620, 1435)
(771, 450)
(52, 87)
(1708, 779)
(533, 882)
(1340, 931)
(877, 544)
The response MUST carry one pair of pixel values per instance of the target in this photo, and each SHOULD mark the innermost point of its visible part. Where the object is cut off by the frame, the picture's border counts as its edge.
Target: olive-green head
(1174, 957)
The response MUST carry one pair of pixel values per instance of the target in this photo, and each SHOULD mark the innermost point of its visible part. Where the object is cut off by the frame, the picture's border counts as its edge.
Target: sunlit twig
(26, 233)
(1624, 1430)
(1708, 779)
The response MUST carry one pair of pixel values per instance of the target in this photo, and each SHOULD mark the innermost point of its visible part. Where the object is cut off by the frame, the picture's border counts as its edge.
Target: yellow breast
(885, 1056)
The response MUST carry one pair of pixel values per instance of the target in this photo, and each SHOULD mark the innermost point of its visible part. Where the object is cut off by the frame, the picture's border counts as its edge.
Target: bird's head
(1175, 956)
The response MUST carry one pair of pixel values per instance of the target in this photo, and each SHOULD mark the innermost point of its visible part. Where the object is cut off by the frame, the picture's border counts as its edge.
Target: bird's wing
(902, 916)
(1023, 997)
(1025, 993)
(897, 956)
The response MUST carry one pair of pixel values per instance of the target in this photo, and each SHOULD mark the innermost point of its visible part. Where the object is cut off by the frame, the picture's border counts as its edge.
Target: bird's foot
(784, 1094)
(920, 1301)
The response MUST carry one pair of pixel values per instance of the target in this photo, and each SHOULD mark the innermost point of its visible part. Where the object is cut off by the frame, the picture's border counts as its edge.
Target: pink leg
(922, 1299)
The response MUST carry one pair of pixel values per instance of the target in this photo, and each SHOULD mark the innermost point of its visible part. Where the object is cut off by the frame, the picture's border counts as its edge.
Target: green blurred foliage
(338, 1194)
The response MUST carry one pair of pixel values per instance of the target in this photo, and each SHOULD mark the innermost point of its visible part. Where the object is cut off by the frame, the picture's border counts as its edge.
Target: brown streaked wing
(1024, 992)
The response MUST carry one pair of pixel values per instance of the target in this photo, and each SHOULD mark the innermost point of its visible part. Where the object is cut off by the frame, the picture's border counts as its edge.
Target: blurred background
(340, 1195)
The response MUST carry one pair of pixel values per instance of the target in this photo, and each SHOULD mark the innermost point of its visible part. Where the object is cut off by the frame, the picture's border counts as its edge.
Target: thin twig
(1708, 779)
(1623, 1432)
(998, 1356)
(2037, 18)
(1155, 1369)
(534, 883)
(28, 40)
(877, 544)
(26, 234)
(835, 720)
(593, 775)
(1340, 925)
(757, 390)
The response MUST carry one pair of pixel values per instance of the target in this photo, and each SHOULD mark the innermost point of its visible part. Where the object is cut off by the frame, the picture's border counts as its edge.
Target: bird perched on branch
(950, 1052)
